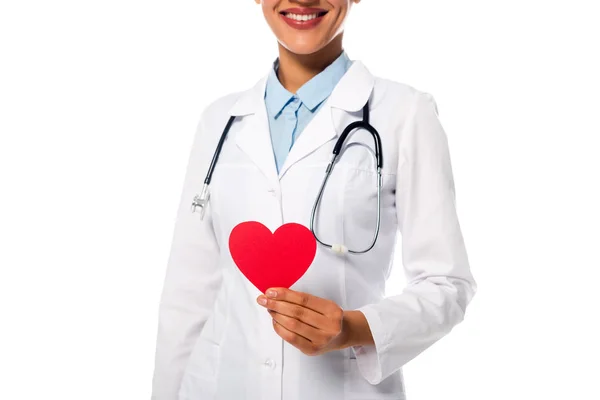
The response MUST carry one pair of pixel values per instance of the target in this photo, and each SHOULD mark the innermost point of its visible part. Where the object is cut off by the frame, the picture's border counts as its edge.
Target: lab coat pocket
(358, 388)
(204, 360)
(200, 377)
(360, 206)
(239, 193)
(360, 218)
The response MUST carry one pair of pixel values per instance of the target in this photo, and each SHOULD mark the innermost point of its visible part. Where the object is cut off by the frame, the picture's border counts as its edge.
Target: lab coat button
(270, 363)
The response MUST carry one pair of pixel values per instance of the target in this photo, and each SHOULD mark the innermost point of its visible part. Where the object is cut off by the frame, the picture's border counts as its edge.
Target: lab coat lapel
(349, 95)
(254, 137)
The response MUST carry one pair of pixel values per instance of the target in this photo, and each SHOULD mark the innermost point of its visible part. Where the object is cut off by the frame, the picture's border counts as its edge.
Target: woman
(332, 334)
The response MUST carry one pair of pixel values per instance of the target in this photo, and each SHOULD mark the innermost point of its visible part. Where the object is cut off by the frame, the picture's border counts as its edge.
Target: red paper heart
(272, 259)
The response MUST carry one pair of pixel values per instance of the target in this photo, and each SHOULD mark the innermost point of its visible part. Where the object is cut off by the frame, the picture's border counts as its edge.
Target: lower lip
(302, 24)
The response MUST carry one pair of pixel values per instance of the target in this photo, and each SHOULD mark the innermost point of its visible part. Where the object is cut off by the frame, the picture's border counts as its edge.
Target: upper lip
(303, 11)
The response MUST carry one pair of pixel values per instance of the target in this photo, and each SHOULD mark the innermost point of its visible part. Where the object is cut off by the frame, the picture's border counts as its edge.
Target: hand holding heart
(312, 324)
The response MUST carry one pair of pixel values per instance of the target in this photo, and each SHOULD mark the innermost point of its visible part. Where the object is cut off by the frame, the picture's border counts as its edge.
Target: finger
(318, 304)
(310, 333)
(300, 313)
(298, 341)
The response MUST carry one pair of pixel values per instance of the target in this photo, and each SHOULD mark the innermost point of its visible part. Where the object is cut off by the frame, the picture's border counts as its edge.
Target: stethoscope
(202, 199)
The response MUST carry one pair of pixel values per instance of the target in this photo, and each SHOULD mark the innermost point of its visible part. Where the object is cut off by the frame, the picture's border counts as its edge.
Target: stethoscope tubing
(217, 153)
(202, 200)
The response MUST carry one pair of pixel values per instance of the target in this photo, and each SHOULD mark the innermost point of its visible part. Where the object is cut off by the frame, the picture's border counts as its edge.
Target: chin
(302, 47)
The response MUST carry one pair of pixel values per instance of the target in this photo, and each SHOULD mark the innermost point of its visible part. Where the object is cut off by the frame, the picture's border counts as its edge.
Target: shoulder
(238, 103)
(218, 108)
(214, 116)
(406, 104)
(401, 96)
(409, 113)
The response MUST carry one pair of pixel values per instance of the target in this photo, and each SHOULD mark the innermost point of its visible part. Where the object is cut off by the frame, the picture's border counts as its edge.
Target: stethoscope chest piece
(200, 201)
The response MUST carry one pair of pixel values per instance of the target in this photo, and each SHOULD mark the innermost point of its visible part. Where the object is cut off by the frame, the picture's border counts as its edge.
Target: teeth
(302, 17)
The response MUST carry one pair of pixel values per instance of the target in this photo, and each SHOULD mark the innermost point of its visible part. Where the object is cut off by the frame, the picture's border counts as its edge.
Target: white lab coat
(216, 343)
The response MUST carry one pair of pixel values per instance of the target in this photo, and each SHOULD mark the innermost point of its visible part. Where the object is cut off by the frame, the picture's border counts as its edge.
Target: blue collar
(312, 93)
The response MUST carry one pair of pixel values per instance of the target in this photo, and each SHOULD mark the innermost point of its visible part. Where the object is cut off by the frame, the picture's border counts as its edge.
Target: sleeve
(439, 281)
(192, 279)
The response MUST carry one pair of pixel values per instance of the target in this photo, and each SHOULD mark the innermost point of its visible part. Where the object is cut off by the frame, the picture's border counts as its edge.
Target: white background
(99, 101)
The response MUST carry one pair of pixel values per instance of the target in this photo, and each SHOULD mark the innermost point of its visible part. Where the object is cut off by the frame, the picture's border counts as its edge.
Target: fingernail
(271, 293)
(262, 301)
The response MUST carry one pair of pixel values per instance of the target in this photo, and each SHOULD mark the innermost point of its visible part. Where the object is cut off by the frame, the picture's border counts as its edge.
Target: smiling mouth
(303, 17)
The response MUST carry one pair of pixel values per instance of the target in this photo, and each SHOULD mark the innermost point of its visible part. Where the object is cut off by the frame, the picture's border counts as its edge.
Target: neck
(297, 69)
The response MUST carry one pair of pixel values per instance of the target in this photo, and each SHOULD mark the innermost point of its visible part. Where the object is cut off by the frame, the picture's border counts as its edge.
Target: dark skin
(312, 324)
(305, 53)
(297, 69)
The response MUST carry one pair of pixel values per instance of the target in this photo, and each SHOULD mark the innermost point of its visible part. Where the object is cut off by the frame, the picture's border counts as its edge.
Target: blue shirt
(289, 113)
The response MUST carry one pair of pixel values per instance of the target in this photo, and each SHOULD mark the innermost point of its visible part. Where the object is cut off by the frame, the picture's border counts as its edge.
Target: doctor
(333, 334)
